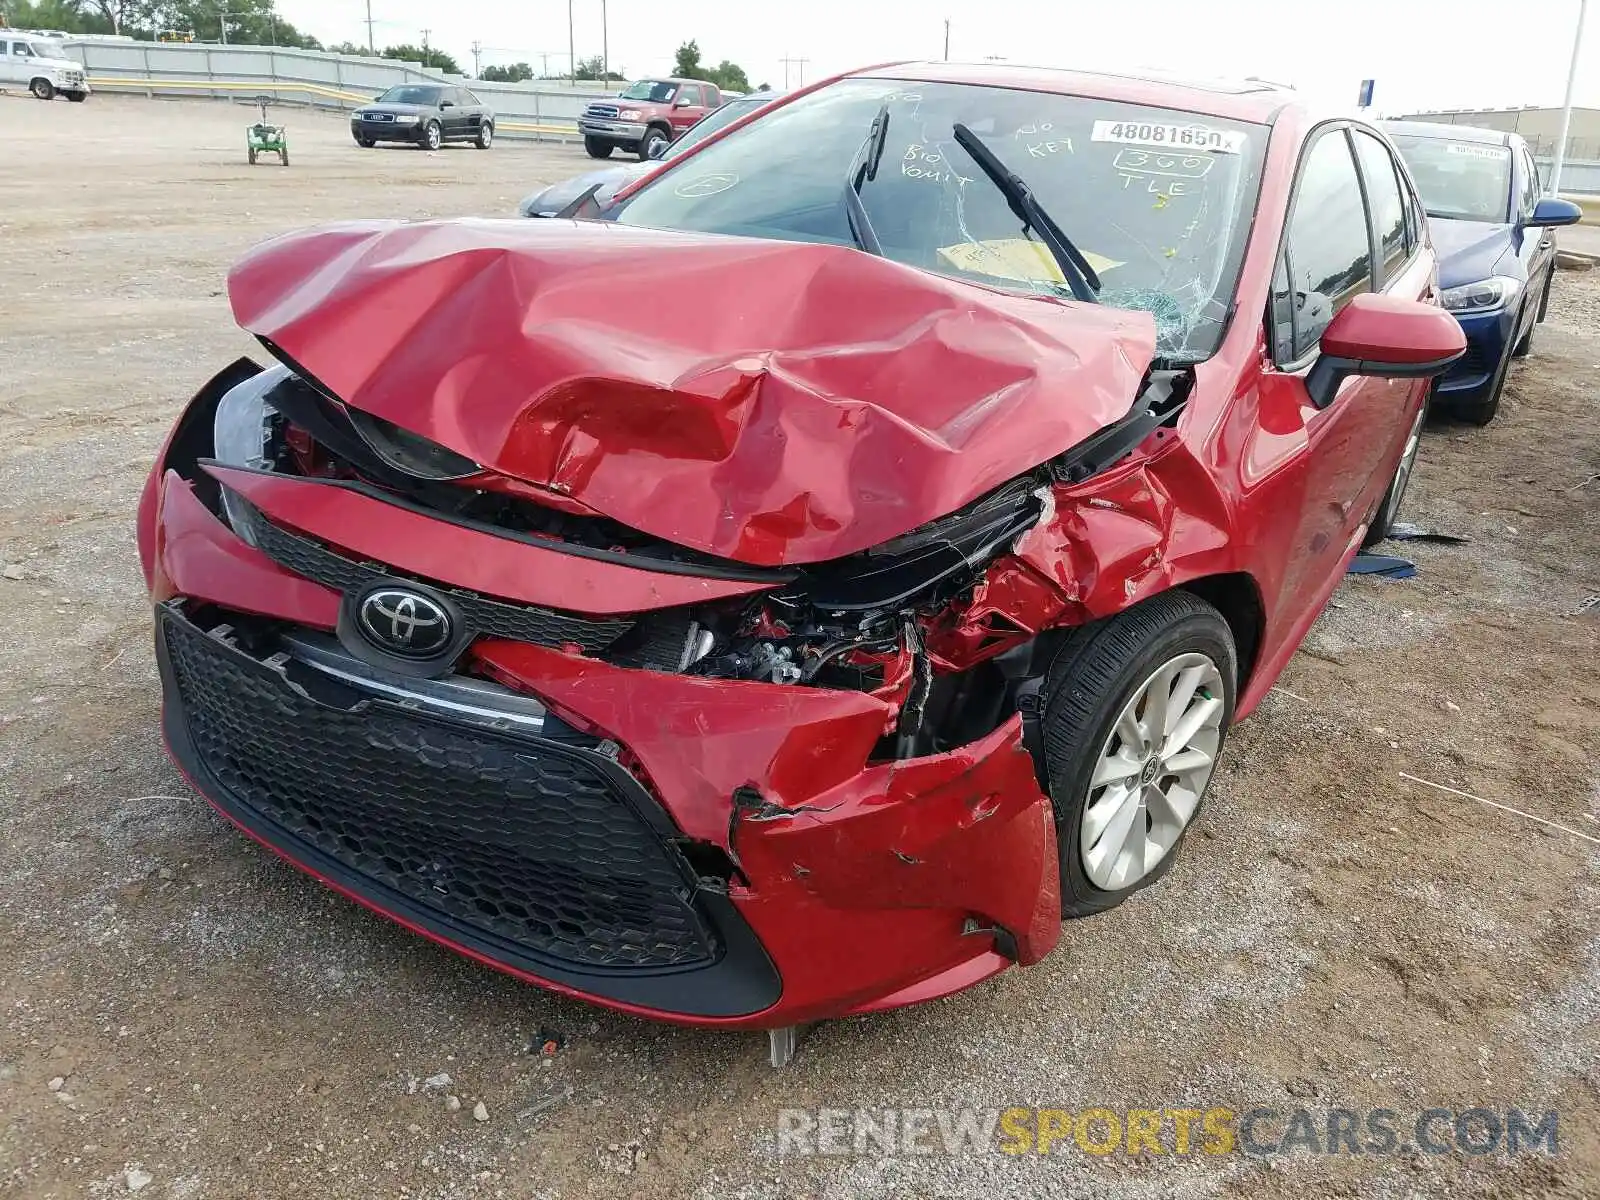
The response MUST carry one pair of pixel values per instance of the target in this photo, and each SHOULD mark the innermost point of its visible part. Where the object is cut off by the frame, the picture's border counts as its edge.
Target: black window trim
(1314, 135)
(1372, 219)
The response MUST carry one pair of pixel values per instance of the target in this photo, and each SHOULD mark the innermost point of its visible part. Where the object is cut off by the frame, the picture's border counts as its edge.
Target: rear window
(1158, 200)
(1459, 180)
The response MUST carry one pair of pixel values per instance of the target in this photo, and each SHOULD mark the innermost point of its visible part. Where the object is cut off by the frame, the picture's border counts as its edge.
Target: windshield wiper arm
(871, 154)
(1080, 276)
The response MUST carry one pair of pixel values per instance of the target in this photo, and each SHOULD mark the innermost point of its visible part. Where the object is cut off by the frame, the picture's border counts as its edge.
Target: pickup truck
(650, 113)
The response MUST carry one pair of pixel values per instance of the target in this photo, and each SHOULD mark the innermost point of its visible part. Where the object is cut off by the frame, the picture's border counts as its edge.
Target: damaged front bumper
(704, 850)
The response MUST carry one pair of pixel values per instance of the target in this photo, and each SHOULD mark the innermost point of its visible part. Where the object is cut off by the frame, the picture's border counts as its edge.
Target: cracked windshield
(1157, 201)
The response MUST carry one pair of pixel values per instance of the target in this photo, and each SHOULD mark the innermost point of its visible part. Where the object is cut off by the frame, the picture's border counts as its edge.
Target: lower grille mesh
(522, 840)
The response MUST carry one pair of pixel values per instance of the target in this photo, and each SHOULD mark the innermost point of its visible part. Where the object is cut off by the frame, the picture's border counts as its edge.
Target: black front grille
(608, 111)
(655, 641)
(522, 842)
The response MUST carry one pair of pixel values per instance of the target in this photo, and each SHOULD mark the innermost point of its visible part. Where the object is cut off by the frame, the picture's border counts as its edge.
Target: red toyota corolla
(790, 595)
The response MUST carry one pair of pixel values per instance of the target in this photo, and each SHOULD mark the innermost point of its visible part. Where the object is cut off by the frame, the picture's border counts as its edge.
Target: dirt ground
(215, 1024)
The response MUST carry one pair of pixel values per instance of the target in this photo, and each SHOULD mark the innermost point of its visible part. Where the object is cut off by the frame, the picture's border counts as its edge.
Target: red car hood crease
(769, 402)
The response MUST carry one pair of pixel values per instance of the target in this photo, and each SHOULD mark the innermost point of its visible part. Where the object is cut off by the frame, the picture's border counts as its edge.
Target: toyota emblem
(403, 622)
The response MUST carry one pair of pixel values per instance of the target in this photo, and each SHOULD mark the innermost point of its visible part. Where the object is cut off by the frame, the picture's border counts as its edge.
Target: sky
(1422, 53)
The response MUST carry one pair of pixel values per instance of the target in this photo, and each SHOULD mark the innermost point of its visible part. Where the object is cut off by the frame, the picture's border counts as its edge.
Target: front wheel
(1136, 711)
(653, 137)
(77, 97)
(485, 137)
(43, 89)
(595, 148)
(1389, 508)
(432, 136)
(366, 143)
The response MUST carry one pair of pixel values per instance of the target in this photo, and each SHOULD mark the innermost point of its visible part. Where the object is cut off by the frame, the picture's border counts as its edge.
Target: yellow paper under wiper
(1016, 258)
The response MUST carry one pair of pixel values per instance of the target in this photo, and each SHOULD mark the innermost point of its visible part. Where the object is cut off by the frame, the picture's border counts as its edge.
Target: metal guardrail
(502, 125)
(310, 77)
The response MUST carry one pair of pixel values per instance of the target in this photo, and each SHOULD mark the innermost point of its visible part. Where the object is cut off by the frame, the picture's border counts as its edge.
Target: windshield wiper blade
(870, 155)
(1080, 276)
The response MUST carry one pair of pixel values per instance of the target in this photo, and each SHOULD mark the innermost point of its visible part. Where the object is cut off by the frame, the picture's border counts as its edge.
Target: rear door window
(1386, 202)
(1328, 248)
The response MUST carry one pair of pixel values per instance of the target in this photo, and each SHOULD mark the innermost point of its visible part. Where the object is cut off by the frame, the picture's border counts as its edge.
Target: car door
(474, 109)
(685, 115)
(1535, 246)
(13, 66)
(1328, 255)
(456, 116)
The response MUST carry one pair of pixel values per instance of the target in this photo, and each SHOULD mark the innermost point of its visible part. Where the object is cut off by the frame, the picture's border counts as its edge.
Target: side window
(1530, 183)
(22, 49)
(1329, 253)
(694, 92)
(1384, 201)
(713, 97)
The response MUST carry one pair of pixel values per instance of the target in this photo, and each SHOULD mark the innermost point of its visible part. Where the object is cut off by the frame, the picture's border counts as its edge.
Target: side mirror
(1384, 337)
(658, 149)
(681, 102)
(1552, 211)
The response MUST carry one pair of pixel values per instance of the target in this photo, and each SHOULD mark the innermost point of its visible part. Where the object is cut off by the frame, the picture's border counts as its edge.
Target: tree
(437, 59)
(515, 73)
(728, 75)
(347, 48)
(686, 64)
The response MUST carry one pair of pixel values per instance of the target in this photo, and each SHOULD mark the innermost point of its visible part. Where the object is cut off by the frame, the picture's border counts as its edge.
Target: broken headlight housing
(240, 433)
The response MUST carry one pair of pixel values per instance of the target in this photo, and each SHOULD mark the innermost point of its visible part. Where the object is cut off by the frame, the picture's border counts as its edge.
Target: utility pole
(425, 34)
(223, 21)
(800, 64)
(477, 60)
(947, 39)
(371, 47)
(1566, 105)
(605, 44)
(572, 49)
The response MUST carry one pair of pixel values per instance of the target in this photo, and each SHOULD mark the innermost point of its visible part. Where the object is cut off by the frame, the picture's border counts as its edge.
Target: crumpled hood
(771, 402)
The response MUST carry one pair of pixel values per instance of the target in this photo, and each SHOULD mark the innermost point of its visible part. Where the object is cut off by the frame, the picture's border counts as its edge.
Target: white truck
(40, 65)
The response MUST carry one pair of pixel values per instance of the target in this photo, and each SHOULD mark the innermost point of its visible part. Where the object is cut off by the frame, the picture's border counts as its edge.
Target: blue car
(1491, 230)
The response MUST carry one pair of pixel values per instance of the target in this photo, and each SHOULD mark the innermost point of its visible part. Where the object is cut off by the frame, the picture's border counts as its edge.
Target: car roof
(1454, 133)
(1243, 100)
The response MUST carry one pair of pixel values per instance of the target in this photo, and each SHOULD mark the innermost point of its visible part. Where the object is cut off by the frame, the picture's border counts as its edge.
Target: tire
(77, 97)
(1483, 411)
(366, 143)
(432, 137)
(250, 152)
(595, 148)
(1524, 346)
(485, 137)
(43, 89)
(283, 156)
(1394, 496)
(652, 136)
(1097, 691)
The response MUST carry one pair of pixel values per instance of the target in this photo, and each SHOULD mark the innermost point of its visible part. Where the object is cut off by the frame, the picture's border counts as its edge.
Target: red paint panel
(844, 400)
(200, 556)
(417, 543)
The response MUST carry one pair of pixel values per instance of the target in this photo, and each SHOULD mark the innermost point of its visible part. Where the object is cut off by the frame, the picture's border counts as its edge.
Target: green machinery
(265, 138)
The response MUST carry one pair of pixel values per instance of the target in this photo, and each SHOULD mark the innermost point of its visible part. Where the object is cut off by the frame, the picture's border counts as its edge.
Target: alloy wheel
(1152, 771)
